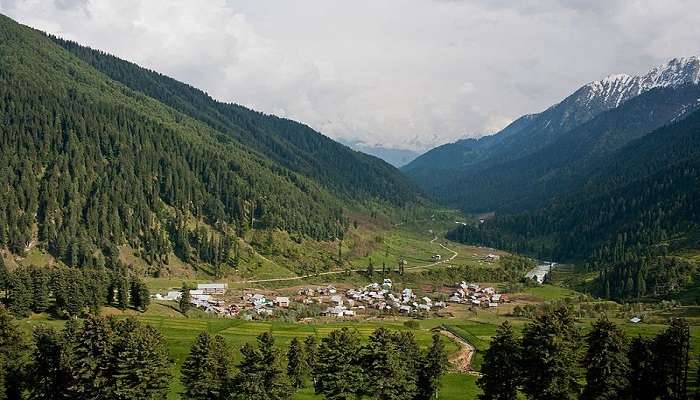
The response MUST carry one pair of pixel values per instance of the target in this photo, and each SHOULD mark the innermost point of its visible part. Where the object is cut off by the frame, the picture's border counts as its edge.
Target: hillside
(464, 174)
(643, 200)
(347, 173)
(88, 165)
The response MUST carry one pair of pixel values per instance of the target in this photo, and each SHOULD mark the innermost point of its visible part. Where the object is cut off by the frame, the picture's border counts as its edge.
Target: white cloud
(399, 73)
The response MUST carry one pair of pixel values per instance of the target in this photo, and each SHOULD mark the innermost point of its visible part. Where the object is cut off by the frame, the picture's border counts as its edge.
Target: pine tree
(21, 296)
(14, 356)
(142, 368)
(606, 362)
(4, 276)
(296, 365)
(550, 356)
(222, 358)
(185, 299)
(260, 374)
(337, 373)
(198, 374)
(41, 288)
(390, 364)
(642, 377)
(139, 295)
(433, 366)
(671, 349)
(48, 371)
(501, 367)
(310, 349)
(91, 362)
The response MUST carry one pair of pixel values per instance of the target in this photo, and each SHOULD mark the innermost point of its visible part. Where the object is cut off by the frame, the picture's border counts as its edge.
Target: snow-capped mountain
(613, 90)
(530, 134)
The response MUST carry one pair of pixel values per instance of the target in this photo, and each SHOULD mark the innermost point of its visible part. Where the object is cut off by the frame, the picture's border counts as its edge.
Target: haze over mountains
(545, 148)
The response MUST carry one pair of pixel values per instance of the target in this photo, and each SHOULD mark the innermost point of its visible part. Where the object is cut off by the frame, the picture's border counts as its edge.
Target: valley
(156, 242)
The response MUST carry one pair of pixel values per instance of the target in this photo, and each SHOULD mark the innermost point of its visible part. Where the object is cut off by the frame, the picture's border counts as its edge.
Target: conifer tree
(296, 365)
(14, 356)
(41, 288)
(310, 349)
(199, 375)
(4, 276)
(142, 368)
(671, 350)
(642, 377)
(91, 361)
(223, 365)
(550, 356)
(185, 299)
(260, 374)
(337, 372)
(606, 362)
(21, 296)
(49, 375)
(433, 365)
(501, 366)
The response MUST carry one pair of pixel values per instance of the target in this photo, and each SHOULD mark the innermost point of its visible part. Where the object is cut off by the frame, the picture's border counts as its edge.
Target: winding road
(300, 277)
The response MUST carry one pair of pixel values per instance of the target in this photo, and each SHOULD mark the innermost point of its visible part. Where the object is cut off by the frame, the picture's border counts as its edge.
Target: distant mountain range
(395, 157)
(609, 174)
(536, 150)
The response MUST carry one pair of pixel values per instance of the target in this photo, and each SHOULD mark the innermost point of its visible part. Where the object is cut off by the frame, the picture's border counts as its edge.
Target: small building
(436, 257)
(387, 284)
(492, 257)
(337, 300)
(173, 295)
(282, 301)
(635, 320)
(213, 288)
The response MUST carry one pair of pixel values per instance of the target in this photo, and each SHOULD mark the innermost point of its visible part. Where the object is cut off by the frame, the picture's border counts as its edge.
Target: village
(375, 299)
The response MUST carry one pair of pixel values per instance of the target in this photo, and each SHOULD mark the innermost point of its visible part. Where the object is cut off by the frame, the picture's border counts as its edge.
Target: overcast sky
(407, 74)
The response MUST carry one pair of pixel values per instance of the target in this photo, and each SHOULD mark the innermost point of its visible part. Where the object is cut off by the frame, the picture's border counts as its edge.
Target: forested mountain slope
(562, 166)
(87, 164)
(345, 172)
(644, 200)
(464, 174)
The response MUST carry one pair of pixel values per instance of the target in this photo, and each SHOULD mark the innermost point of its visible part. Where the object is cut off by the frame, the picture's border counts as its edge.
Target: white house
(282, 301)
(337, 300)
(213, 288)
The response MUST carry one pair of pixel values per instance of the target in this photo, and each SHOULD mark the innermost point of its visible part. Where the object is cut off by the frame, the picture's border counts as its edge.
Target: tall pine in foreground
(199, 371)
(672, 353)
(142, 368)
(337, 372)
(550, 356)
(432, 367)
(606, 362)
(14, 357)
(501, 366)
(296, 363)
(260, 373)
(642, 376)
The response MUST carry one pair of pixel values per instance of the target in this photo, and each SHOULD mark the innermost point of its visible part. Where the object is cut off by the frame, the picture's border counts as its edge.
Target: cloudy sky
(407, 74)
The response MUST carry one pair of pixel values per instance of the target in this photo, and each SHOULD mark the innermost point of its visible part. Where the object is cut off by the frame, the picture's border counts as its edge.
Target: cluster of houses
(474, 295)
(375, 296)
(203, 297)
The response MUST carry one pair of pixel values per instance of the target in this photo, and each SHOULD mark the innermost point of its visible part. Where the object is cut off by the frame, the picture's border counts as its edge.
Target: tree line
(87, 165)
(70, 292)
(96, 358)
(390, 366)
(554, 360)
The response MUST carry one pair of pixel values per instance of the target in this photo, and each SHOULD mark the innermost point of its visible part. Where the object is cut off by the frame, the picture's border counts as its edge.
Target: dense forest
(89, 165)
(354, 175)
(639, 205)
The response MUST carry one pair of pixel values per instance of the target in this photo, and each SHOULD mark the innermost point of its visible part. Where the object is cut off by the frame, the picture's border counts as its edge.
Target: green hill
(88, 164)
